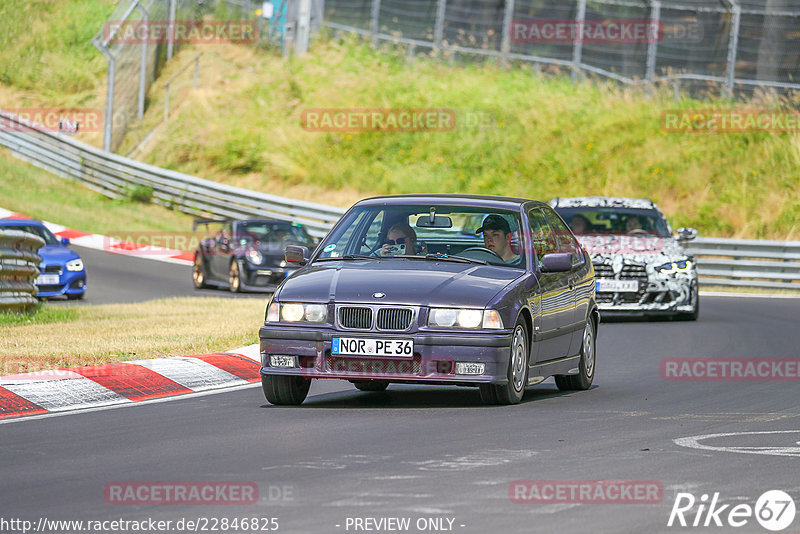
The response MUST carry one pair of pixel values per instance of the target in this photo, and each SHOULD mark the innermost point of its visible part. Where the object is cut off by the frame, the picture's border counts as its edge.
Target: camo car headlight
(75, 265)
(675, 267)
(297, 312)
(464, 318)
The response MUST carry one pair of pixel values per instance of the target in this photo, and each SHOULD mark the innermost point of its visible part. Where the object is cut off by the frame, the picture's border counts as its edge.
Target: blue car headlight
(75, 265)
(681, 266)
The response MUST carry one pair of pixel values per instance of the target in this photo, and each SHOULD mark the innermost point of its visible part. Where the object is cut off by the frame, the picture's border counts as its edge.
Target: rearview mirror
(438, 221)
(65, 241)
(557, 262)
(296, 254)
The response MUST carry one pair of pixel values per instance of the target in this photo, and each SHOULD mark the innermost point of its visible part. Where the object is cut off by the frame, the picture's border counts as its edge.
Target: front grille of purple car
(374, 366)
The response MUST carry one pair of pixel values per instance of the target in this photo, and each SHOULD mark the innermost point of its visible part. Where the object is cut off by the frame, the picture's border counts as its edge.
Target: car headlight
(75, 265)
(254, 256)
(296, 312)
(464, 318)
(675, 267)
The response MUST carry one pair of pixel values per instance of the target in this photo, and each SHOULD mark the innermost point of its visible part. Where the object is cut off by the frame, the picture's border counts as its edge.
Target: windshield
(428, 231)
(277, 234)
(41, 231)
(615, 221)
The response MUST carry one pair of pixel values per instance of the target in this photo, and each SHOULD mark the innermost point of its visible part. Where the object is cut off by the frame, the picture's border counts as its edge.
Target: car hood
(654, 250)
(57, 254)
(402, 281)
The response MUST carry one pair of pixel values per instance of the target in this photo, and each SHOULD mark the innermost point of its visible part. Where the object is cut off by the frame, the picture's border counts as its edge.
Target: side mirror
(296, 254)
(65, 241)
(557, 262)
(686, 234)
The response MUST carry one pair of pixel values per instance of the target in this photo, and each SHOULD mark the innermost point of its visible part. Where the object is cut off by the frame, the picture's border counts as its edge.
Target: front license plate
(617, 286)
(46, 280)
(359, 346)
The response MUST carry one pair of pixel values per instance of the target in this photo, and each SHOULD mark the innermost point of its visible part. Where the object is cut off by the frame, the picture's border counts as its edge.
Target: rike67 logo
(774, 510)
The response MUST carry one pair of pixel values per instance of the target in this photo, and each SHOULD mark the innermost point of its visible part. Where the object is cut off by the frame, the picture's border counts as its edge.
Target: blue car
(62, 270)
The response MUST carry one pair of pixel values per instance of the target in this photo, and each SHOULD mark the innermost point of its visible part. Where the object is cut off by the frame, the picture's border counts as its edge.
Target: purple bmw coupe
(481, 291)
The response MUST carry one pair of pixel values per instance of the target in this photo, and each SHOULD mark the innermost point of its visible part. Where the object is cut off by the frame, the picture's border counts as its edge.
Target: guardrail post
(652, 43)
(577, 48)
(733, 44)
(438, 29)
(374, 20)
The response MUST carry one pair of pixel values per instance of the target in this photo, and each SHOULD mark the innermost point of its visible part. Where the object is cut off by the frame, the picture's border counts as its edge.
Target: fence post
(733, 44)
(508, 16)
(438, 31)
(143, 66)
(303, 32)
(373, 24)
(652, 43)
(171, 29)
(577, 49)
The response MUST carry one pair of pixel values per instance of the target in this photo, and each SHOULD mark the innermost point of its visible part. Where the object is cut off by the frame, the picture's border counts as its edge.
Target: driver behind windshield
(497, 237)
(399, 240)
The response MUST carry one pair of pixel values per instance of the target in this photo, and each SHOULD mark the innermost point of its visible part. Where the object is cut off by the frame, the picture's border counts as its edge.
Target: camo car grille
(394, 318)
(629, 272)
(355, 317)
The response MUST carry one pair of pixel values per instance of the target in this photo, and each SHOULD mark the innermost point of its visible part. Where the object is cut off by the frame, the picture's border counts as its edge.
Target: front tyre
(235, 277)
(285, 390)
(198, 272)
(583, 380)
(512, 391)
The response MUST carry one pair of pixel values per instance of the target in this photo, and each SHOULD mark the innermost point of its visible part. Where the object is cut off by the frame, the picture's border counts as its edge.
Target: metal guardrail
(729, 262)
(747, 262)
(115, 176)
(19, 267)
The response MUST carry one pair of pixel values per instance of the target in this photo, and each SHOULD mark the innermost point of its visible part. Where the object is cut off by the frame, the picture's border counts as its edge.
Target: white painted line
(694, 443)
(191, 373)
(59, 395)
(749, 295)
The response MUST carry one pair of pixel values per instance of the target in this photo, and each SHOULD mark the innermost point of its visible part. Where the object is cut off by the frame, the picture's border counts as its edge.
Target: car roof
(603, 202)
(487, 201)
(20, 222)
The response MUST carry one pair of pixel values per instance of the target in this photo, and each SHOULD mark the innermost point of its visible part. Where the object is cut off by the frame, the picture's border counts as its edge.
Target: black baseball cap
(494, 222)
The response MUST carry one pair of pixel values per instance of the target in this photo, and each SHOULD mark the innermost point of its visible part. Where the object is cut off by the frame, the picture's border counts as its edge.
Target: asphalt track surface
(436, 452)
(119, 279)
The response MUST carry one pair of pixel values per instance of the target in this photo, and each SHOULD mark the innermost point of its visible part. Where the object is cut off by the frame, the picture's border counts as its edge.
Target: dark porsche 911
(479, 291)
(246, 255)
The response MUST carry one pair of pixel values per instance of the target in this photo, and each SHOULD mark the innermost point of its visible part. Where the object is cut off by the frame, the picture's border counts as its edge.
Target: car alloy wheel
(517, 374)
(235, 277)
(198, 273)
(586, 365)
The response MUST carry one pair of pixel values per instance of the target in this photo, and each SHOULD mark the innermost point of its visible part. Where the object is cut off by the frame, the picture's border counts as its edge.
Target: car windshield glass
(429, 231)
(615, 221)
(41, 231)
(277, 233)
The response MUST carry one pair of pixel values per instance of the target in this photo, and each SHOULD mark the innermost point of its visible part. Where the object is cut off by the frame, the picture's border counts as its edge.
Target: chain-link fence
(136, 43)
(709, 46)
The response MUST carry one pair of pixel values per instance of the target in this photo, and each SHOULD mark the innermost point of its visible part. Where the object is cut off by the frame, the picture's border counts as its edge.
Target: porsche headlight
(75, 265)
(296, 312)
(464, 318)
(254, 256)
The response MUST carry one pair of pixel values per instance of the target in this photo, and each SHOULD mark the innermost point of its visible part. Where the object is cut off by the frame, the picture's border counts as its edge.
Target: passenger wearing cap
(497, 237)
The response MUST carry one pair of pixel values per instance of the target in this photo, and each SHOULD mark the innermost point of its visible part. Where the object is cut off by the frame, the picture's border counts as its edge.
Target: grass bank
(90, 335)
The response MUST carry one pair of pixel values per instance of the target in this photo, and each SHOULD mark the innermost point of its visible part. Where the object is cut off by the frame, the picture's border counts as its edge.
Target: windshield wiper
(350, 257)
(456, 259)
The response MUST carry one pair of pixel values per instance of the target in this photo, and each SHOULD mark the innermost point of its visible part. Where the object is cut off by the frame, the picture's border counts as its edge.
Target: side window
(566, 241)
(544, 241)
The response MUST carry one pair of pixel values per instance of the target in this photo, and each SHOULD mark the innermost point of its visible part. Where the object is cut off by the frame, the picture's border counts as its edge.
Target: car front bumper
(662, 296)
(433, 361)
(70, 283)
